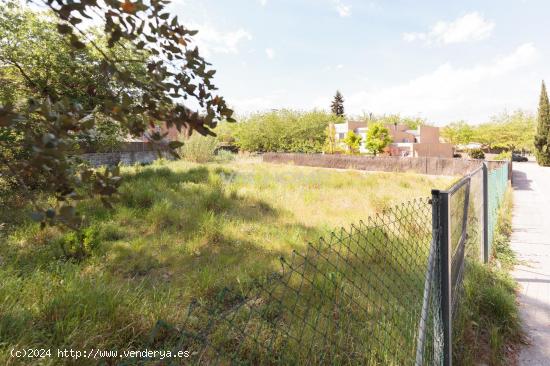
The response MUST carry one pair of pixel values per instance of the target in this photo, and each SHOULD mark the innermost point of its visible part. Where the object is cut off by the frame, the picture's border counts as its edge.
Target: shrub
(225, 156)
(352, 141)
(284, 131)
(225, 133)
(505, 155)
(378, 138)
(199, 149)
(477, 154)
(79, 244)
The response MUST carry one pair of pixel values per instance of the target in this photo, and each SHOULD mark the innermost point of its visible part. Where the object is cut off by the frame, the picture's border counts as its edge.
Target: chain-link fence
(496, 183)
(463, 225)
(382, 293)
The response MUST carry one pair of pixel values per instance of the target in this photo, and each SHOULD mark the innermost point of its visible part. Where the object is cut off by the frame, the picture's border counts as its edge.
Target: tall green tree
(47, 118)
(337, 106)
(458, 133)
(542, 138)
(378, 138)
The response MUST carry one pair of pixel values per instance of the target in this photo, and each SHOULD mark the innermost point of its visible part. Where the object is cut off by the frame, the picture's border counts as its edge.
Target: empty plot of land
(179, 231)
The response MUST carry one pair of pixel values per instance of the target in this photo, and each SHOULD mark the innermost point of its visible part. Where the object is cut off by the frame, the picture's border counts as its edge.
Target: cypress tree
(337, 106)
(542, 138)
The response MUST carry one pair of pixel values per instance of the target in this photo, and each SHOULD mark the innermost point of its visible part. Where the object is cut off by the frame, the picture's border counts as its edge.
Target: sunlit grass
(180, 231)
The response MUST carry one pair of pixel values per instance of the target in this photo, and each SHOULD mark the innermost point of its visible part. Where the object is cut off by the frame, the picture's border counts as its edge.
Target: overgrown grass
(180, 231)
(488, 326)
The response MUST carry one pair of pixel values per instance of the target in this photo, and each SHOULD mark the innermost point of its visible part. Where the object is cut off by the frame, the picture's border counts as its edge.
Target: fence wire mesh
(353, 298)
(370, 295)
(466, 228)
(497, 182)
(464, 216)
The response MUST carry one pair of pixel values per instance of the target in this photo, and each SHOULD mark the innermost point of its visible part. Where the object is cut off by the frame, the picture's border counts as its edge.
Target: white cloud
(263, 2)
(471, 27)
(451, 93)
(342, 9)
(270, 53)
(211, 40)
(339, 66)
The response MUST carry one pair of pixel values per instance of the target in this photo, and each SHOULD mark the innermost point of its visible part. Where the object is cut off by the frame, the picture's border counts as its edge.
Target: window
(341, 135)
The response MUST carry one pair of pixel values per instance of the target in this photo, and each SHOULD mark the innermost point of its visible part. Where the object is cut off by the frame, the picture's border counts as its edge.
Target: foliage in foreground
(45, 110)
(488, 322)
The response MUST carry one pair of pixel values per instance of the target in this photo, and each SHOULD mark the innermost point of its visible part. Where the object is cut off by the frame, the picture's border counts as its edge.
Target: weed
(180, 231)
(488, 319)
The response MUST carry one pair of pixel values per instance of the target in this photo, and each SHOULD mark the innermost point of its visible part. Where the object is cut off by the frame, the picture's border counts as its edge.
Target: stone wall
(123, 157)
(427, 165)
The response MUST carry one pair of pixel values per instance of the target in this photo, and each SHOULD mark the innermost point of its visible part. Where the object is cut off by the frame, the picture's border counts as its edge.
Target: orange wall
(398, 133)
(438, 150)
(429, 134)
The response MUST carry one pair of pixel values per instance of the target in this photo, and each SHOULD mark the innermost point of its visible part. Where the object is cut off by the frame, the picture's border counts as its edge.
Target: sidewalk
(531, 242)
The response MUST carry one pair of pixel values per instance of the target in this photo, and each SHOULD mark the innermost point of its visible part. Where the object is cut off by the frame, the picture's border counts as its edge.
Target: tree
(378, 138)
(542, 137)
(330, 140)
(44, 120)
(353, 141)
(411, 122)
(458, 133)
(337, 106)
(284, 131)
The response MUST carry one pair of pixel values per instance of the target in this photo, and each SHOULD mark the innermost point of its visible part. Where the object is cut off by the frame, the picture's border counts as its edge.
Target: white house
(359, 128)
(422, 142)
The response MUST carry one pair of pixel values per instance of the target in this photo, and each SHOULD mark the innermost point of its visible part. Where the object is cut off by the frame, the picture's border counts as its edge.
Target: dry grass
(180, 231)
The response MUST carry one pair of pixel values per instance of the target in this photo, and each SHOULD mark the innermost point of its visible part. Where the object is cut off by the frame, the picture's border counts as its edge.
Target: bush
(477, 154)
(505, 155)
(284, 131)
(225, 133)
(225, 156)
(79, 244)
(199, 149)
(352, 141)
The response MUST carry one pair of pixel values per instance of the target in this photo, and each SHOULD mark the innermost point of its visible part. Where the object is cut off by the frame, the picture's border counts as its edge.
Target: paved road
(531, 242)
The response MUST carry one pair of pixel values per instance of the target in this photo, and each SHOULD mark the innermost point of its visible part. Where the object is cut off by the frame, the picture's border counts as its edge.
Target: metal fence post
(485, 213)
(445, 285)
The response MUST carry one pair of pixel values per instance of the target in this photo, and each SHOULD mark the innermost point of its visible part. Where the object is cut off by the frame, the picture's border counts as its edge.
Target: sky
(440, 60)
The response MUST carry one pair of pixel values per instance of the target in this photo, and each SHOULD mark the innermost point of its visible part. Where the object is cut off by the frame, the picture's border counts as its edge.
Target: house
(172, 133)
(358, 127)
(421, 142)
